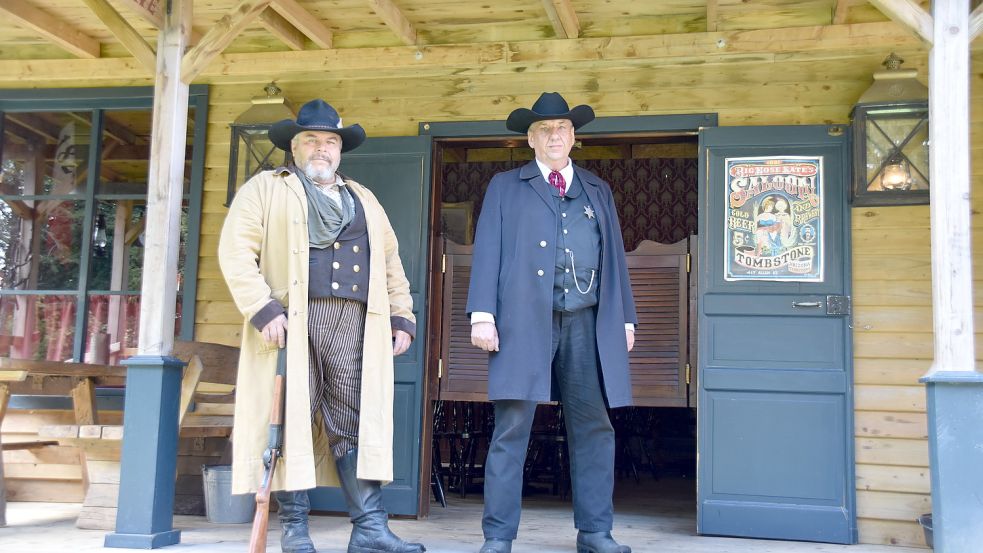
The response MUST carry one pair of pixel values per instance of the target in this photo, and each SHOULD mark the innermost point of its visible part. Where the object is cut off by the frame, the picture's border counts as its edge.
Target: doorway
(654, 179)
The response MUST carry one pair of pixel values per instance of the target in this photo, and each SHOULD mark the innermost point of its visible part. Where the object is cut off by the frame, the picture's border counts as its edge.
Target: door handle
(807, 304)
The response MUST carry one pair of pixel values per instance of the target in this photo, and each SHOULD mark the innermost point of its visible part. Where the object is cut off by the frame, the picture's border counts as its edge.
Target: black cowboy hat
(550, 105)
(316, 115)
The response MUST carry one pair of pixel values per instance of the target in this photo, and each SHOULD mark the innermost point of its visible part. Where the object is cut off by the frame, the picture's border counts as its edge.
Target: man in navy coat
(551, 301)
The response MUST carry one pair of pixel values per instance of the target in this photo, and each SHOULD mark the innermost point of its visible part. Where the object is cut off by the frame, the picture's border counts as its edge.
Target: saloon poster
(774, 219)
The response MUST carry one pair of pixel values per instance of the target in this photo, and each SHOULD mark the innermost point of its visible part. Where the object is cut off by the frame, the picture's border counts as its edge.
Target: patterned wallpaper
(656, 197)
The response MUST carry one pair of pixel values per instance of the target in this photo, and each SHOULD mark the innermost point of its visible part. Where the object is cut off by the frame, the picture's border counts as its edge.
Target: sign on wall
(773, 219)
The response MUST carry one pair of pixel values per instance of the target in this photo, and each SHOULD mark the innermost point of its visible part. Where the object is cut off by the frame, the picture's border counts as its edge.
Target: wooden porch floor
(649, 522)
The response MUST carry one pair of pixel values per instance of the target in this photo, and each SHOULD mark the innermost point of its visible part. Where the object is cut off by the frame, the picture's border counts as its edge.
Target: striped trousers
(335, 328)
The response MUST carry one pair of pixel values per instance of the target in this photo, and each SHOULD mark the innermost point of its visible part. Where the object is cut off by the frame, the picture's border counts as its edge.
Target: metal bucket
(220, 505)
(926, 522)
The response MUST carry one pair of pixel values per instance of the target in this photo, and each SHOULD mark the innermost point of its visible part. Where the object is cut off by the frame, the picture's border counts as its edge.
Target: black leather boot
(495, 545)
(294, 507)
(370, 522)
(599, 542)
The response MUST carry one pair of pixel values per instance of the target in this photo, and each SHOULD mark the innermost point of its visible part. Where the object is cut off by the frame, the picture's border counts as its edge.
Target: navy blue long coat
(512, 278)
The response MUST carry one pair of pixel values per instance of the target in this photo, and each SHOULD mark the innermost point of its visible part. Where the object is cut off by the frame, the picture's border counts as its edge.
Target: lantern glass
(250, 149)
(251, 152)
(891, 146)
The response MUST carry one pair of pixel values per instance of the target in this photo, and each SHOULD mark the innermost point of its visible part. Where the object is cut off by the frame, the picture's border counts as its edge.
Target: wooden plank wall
(892, 292)
(894, 348)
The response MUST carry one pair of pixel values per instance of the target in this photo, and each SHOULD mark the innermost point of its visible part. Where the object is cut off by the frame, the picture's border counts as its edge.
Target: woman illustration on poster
(773, 226)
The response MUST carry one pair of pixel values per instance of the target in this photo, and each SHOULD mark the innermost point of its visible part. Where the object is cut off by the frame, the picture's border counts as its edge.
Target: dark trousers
(589, 434)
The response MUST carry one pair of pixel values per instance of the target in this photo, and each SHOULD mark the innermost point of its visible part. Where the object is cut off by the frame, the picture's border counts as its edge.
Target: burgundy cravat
(558, 182)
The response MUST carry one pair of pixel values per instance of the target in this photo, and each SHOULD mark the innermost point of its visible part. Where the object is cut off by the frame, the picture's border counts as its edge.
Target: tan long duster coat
(264, 254)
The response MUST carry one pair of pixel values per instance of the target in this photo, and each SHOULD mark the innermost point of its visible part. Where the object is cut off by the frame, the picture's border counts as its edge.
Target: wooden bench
(30, 377)
(205, 418)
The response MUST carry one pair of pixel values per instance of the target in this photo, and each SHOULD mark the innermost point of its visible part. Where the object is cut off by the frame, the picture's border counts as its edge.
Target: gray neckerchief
(325, 218)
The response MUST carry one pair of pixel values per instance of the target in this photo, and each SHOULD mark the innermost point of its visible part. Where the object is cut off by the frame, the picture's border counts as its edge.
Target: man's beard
(319, 173)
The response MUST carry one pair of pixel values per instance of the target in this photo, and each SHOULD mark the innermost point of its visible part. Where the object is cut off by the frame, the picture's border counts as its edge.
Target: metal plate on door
(837, 305)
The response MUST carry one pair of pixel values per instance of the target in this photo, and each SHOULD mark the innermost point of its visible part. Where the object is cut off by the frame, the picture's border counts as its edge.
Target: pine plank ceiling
(89, 29)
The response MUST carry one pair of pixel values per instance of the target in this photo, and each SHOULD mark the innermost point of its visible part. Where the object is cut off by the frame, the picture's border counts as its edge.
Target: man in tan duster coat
(312, 263)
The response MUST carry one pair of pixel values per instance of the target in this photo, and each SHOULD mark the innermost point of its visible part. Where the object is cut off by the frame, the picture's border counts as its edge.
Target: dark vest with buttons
(580, 235)
(342, 270)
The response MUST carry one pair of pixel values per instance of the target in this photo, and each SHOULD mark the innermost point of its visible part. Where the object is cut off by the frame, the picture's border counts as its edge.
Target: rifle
(261, 520)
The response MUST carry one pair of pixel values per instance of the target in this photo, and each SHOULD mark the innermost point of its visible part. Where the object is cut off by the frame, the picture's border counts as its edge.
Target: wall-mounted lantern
(890, 139)
(250, 149)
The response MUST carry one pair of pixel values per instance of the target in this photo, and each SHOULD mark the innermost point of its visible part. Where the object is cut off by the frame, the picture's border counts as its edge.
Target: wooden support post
(149, 455)
(954, 386)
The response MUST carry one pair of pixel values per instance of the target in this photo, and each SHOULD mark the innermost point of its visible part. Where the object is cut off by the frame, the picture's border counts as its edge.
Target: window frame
(98, 101)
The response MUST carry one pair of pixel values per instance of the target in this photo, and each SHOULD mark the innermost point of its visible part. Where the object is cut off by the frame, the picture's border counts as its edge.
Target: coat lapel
(531, 174)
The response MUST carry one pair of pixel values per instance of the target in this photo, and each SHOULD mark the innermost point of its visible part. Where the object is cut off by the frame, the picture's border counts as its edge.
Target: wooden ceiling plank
(220, 35)
(282, 29)
(306, 23)
(395, 20)
(909, 14)
(146, 10)
(712, 15)
(60, 32)
(976, 23)
(125, 33)
(840, 10)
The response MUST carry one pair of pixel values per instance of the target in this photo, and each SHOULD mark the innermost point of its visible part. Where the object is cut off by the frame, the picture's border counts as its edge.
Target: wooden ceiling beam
(563, 17)
(840, 9)
(908, 14)
(712, 15)
(37, 124)
(126, 152)
(125, 33)
(395, 20)
(146, 10)
(221, 34)
(18, 132)
(306, 23)
(499, 57)
(282, 29)
(60, 32)
(113, 129)
(976, 23)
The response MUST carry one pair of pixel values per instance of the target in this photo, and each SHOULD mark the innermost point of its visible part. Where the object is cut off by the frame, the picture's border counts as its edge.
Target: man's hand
(630, 338)
(275, 331)
(485, 336)
(401, 342)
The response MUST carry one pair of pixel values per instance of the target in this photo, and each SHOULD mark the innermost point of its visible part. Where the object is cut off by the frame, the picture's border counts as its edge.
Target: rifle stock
(261, 520)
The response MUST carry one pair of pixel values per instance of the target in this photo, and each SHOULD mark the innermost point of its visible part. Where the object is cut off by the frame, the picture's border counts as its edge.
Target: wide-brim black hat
(550, 105)
(316, 115)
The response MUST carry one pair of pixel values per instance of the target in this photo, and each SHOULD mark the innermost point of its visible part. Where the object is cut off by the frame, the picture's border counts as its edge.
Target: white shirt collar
(566, 172)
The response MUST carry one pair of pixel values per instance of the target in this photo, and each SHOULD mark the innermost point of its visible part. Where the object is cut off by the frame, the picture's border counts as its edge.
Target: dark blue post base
(149, 458)
(143, 541)
(955, 441)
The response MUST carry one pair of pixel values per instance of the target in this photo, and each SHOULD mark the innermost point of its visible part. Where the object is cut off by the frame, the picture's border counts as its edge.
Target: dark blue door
(397, 170)
(775, 401)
